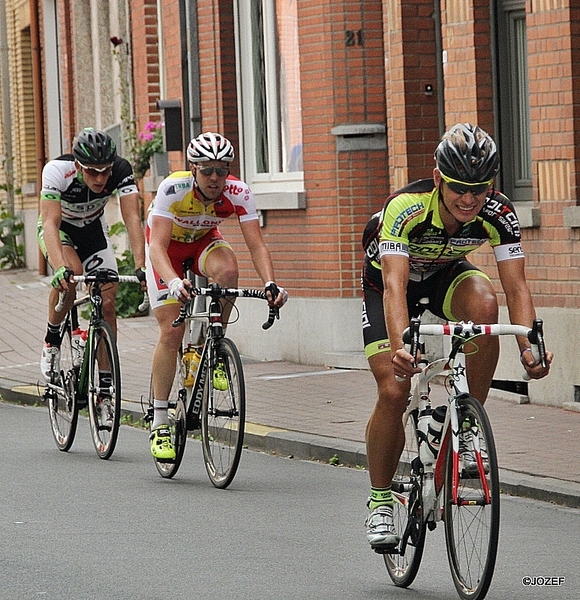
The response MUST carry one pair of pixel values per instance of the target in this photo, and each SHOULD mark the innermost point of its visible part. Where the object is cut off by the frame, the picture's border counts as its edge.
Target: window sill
(528, 214)
(280, 200)
(572, 216)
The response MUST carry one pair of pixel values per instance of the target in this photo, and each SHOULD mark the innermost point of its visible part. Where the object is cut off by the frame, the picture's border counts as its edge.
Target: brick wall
(388, 76)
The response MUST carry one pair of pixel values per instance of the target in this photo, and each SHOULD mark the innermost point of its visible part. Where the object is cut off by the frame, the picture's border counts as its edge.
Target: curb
(306, 446)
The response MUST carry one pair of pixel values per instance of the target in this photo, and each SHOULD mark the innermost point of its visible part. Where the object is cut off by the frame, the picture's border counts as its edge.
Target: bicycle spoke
(403, 564)
(104, 390)
(472, 509)
(61, 397)
(223, 415)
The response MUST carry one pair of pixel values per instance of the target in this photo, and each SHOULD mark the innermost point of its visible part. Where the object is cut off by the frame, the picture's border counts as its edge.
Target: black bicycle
(90, 372)
(211, 397)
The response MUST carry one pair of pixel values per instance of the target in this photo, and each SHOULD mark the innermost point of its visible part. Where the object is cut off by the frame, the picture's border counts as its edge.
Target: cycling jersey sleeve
(124, 175)
(53, 182)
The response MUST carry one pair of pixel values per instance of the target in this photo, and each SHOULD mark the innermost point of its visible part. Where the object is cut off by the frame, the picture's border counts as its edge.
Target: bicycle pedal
(104, 428)
(387, 549)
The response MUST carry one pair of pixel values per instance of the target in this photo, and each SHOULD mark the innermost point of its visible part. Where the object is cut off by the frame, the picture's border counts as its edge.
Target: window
(270, 102)
(514, 110)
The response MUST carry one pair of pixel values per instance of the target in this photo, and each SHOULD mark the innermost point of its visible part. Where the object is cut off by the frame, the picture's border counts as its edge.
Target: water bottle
(78, 343)
(425, 453)
(435, 429)
(191, 360)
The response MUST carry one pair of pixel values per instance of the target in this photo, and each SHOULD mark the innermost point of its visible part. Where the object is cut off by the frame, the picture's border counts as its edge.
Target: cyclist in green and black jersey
(416, 247)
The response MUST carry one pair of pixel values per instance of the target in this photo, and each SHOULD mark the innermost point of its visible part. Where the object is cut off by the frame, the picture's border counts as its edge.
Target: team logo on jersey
(405, 215)
(234, 189)
(389, 247)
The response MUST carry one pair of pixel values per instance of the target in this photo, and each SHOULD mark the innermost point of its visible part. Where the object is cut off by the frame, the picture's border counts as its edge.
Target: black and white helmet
(467, 153)
(94, 147)
(210, 146)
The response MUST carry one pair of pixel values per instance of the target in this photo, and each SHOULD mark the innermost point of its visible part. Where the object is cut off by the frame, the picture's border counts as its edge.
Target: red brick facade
(391, 79)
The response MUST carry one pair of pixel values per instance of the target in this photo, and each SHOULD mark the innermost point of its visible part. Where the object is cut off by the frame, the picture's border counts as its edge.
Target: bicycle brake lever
(273, 314)
(181, 317)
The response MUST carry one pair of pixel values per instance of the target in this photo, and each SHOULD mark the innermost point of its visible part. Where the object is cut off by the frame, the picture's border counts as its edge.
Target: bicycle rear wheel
(223, 413)
(104, 389)
(472, 510)
(177, 422)
(403, 564)
(61, 396)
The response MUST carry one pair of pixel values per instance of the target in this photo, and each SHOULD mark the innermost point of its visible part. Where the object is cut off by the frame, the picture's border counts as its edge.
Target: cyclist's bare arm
(521, 311)
(395, 270)
(260, 255)
(131, 213)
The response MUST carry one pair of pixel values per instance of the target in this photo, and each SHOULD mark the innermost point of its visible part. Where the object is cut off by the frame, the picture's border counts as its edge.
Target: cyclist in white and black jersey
(72, 231)
(416, 248)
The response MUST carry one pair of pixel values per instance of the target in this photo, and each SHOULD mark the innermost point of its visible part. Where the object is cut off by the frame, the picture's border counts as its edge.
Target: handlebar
(100, 276)
(215, 291)
(468, 330)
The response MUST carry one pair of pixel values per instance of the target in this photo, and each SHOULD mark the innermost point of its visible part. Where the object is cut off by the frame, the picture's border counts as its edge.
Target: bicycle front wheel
(472, 503)
(61, 396)
(223, 413)
(403, 564)
(104, 389)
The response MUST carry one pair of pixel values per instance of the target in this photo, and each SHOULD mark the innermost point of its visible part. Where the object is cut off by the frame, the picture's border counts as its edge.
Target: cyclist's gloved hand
(140, 274)
(275, 295)
(60, 275)
(178, 289)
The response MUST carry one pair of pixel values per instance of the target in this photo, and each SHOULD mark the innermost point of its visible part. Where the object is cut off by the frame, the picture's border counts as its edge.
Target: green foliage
(11, 250)
(334, 460)
(129, 295)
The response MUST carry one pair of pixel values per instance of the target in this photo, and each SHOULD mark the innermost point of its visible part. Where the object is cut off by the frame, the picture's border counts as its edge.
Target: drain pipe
(6, 115)
(439, 63)
(38, 108)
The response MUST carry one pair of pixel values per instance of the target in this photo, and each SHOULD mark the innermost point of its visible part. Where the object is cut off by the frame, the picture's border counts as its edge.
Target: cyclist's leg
(471, 297)
(166, 310)
(385, 435)
(217, 261)
(50, 358)
(101, 255)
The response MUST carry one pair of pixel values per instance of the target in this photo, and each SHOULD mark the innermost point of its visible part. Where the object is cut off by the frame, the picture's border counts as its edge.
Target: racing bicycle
(90, 373)
(211, 397)
(449, 472)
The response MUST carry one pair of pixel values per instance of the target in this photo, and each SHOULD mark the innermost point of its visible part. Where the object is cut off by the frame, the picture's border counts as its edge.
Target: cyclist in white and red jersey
(183, 226)
(416, 248)
(72, 230)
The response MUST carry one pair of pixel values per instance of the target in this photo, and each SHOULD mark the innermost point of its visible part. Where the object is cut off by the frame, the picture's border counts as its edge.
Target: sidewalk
(299, 410)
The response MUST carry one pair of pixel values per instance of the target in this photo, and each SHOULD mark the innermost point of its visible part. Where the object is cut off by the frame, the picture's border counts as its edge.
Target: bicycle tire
(177, 422)
(104, 420)
(403, 564)
(62, 398)
(472, 522)
(223, 415)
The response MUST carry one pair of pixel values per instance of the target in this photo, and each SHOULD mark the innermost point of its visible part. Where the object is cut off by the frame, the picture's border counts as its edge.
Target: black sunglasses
(209, 171)
(462, 187)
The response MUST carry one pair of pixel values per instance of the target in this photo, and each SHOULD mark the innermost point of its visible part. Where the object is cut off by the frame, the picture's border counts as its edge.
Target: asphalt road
(74, 527)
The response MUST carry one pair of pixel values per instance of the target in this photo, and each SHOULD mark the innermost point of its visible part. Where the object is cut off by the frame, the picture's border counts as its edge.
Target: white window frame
(275, 189)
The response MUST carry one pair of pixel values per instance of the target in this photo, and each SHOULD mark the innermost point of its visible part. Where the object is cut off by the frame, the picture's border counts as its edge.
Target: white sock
(160, 413)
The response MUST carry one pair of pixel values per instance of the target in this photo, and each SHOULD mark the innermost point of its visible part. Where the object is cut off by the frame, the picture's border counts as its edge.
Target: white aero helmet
(210, 146)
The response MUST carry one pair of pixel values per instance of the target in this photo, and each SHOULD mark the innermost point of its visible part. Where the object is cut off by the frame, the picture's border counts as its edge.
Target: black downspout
(439, 63)
(190, 68)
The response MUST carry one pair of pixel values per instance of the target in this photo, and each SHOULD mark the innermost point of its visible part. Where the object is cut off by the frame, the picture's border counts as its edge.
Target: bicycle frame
(92, 379)
(454, 367)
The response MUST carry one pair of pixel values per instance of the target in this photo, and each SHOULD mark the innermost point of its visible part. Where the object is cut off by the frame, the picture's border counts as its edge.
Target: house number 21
(353, 38)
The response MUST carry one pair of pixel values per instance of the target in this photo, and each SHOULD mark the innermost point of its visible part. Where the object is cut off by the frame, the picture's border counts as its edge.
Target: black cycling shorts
(438, 288)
